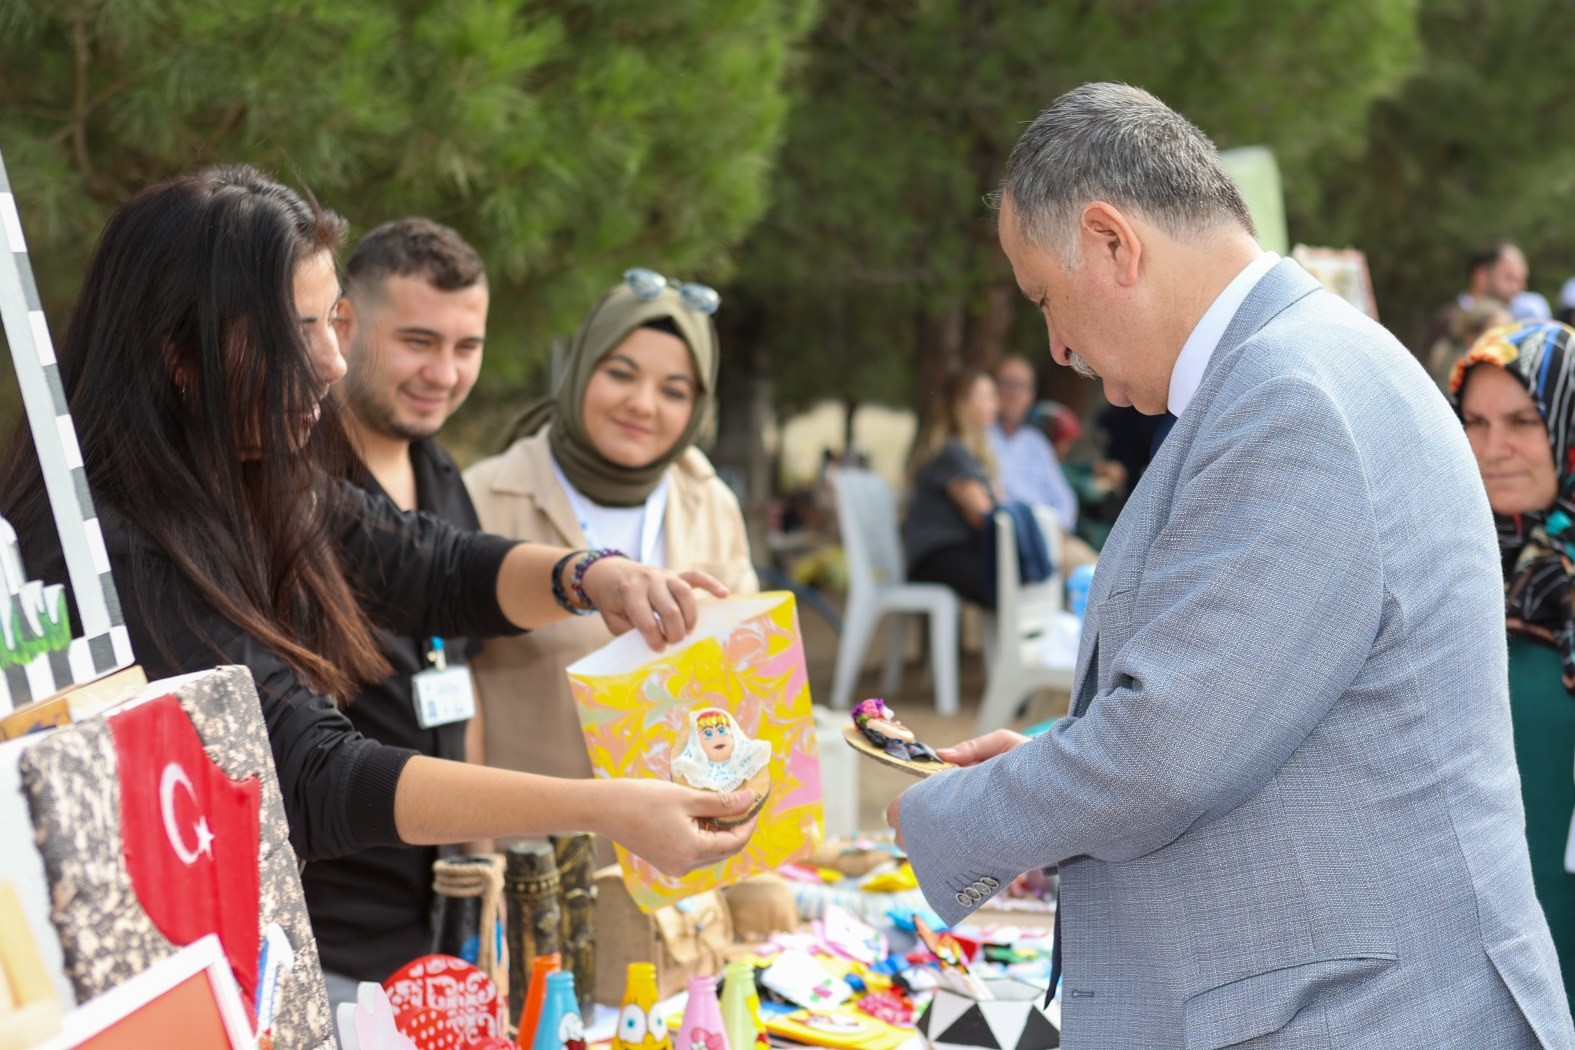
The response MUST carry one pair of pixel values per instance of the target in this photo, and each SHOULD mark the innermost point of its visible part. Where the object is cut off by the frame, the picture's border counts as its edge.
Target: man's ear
(345, 319)
(1109, 239)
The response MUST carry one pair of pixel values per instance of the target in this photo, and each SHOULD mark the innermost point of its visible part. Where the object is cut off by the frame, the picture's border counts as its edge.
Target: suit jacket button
(974, 893)
(990, 883)
(964, 899)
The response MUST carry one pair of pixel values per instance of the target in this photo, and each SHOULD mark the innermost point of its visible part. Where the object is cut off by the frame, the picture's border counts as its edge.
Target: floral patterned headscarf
(1538, 549)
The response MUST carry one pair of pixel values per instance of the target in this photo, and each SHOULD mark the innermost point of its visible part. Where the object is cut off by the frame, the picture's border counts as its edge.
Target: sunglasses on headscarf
(648, 284)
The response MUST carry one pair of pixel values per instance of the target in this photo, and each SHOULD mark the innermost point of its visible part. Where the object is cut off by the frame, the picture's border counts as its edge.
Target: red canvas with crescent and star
(190, 835)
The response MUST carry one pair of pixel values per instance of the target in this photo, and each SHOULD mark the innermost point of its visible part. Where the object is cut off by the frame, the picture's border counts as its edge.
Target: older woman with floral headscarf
(609, 463)
(1515, 392)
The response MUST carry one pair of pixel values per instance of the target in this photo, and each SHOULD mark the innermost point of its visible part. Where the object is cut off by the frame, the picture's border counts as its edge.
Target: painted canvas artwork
(38, 654)
(729, 708)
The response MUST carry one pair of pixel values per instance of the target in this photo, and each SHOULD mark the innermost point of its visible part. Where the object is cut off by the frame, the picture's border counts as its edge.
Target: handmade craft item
(741, 1008)
(839, 1028)
(681, 939)
(642, 1024)
(702, 1027)
(726, 709)
(162, 823)
(368, 1023)
(1012, 1018)
(541, 968)
(534, 923)
(876, 732)
(953, 961)
(29, 1010)
(714, 754)
(576, 858)
(469, 921)
(561, 1026)
(38, 653)
(444, 1003)
(803, 980)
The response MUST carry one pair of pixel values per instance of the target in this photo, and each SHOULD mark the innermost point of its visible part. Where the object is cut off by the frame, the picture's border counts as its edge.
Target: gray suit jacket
(1285, 805)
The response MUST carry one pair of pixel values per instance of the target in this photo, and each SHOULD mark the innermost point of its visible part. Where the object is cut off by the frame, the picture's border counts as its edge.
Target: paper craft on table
(727, 709)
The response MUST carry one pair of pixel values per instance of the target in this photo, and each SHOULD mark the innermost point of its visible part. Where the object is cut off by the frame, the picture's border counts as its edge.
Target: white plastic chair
(877, 585)
(1016, 635)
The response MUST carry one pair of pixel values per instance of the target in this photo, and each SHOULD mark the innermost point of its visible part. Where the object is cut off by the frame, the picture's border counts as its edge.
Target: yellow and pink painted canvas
(727, 708)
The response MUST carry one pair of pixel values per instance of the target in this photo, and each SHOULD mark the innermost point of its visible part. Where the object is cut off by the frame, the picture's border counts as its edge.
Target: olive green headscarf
(619, 313)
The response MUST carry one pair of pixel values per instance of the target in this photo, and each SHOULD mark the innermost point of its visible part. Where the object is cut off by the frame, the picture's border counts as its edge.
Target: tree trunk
(743, 402)
(990, 325)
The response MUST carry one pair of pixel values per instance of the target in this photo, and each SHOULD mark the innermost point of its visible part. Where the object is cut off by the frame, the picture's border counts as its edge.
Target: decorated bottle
(540, 968)
(702, 1027)
(576, 858)
(641, 1025)
(560, 1027)
(530, 893)
(741, 1008)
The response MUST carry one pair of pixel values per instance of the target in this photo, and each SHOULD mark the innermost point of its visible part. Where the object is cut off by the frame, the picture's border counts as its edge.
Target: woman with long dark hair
(196, 365)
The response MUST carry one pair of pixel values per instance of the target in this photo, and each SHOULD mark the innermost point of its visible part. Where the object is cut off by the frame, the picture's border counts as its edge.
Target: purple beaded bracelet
(581, 567)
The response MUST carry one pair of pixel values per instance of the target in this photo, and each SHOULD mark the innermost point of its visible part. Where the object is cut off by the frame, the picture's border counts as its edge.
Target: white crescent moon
(174, 776)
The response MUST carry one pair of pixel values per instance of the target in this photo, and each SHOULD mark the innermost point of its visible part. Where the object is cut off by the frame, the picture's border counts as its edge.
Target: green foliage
(566, 140)
(878, 256)
(21, 645)
(1470, 150)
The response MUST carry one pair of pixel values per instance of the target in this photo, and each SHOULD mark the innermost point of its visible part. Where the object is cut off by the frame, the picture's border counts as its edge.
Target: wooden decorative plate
(860, 743)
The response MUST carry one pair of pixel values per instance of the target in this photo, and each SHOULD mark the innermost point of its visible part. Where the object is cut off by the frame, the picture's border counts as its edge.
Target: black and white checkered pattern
(106, 645)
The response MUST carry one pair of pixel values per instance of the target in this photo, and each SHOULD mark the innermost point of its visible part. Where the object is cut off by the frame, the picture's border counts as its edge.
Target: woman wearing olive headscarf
(1515, 392)
(610, 462)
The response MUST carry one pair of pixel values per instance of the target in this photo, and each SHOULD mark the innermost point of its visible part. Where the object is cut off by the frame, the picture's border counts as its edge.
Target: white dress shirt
(1210, 329)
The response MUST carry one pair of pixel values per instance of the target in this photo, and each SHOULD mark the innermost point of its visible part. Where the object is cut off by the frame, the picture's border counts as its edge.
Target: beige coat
(529, 713)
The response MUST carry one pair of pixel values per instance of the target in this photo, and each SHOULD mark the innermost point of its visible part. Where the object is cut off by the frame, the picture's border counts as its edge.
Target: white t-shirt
(638, 531)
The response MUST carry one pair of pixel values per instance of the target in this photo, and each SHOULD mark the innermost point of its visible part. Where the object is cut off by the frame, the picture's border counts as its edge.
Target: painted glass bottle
(741, 1008)
(641, 1024)
(702, 1027)
(560, 1027)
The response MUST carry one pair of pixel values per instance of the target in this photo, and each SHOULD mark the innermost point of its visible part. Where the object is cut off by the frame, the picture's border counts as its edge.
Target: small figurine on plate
(877, 733)
(714, 754)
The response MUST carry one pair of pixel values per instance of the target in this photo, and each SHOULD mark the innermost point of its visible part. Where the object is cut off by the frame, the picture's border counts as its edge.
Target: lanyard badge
(443, 694)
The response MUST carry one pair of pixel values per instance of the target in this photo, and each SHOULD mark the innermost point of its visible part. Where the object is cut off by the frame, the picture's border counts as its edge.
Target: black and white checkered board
(105, 646)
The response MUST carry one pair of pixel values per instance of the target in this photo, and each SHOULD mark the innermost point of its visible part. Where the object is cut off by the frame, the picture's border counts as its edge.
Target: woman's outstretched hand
(672, 827)
(659, 604)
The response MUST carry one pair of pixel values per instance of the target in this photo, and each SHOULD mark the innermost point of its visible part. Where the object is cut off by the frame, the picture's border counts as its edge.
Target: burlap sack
(682, 939)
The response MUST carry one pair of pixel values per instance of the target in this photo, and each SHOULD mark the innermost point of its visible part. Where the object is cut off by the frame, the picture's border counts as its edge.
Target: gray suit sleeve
(1257, 605)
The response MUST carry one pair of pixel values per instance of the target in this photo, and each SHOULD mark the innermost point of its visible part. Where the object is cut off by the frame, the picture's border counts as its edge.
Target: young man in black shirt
(411, 327)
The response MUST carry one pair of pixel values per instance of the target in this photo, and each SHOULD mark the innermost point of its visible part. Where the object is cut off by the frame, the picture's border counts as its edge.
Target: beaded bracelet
(559, 594)
(581, 567)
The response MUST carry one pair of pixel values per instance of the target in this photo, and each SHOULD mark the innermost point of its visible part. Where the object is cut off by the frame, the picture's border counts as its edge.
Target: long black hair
(191, 384)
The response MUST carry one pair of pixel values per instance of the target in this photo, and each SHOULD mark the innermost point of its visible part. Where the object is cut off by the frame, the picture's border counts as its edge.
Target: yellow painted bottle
(641, 1023)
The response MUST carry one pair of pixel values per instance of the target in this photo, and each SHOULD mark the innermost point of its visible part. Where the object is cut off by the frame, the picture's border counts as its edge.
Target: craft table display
(161, 823)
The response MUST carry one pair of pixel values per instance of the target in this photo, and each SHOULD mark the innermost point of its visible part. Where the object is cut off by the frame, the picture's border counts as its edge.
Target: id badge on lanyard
(443, 694)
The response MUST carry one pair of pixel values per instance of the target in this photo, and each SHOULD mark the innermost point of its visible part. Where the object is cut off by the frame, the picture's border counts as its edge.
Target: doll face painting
(716, 735)
(714, 754)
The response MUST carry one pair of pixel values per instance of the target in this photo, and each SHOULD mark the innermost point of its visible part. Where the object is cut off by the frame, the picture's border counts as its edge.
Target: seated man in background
(412, 324)
(1029, 470)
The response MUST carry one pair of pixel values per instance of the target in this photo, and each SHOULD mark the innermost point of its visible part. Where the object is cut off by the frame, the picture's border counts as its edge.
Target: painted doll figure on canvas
(714, 754)
(877, 722)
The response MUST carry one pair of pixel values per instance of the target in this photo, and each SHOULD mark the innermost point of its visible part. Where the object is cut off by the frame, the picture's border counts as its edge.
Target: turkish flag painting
(190, 835)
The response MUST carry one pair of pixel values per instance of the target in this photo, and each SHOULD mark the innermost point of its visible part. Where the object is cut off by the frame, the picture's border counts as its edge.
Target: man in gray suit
(1285, 806)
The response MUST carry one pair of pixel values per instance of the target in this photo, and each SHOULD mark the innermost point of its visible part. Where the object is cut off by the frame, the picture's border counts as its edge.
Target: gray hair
(1121, 145)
